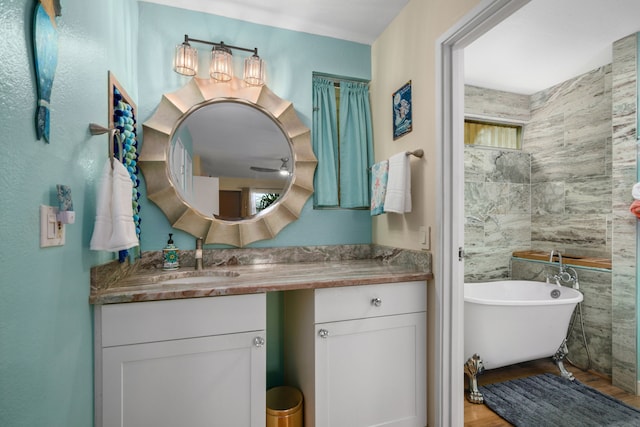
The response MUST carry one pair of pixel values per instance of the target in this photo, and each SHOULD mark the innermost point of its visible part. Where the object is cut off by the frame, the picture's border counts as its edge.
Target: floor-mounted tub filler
(514, 321)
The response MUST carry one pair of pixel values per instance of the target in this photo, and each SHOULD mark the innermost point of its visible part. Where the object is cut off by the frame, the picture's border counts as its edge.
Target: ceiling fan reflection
(283, 170)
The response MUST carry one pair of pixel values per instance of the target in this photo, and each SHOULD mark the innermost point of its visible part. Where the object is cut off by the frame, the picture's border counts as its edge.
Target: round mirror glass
(230, 159)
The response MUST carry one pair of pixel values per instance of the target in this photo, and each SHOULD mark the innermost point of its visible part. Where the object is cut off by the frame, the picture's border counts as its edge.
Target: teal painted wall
(291, 58)
(46, 342)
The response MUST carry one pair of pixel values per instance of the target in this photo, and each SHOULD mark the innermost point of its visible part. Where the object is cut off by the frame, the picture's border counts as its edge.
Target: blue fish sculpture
(45, 40)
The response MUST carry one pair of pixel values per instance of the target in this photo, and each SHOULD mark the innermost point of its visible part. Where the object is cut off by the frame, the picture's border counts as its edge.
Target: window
(262, 199)
(342, 140)
(492, 134)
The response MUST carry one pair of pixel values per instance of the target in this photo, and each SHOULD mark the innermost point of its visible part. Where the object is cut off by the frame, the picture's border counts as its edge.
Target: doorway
(449, 261)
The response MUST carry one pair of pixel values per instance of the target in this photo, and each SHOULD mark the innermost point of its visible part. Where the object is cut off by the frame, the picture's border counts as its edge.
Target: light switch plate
(51, 230)
(424, 237)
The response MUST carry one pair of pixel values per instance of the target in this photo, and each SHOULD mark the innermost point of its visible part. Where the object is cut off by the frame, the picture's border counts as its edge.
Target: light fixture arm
(188, 39)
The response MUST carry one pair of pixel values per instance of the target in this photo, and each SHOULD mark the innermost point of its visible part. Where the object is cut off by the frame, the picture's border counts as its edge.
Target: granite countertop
(150, 285)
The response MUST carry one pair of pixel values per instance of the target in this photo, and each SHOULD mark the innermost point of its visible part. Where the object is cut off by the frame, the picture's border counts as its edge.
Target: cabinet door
(372, 372)
(208, 381)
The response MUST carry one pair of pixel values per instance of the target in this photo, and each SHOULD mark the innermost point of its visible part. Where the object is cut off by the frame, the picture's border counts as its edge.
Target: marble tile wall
(497, 190)
(496, 104)
(595, 285)
(569, 138)
(562, 176)
(497, 210)
(624, 175)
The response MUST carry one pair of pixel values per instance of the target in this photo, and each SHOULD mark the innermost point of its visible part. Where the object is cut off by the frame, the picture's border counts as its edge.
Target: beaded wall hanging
(122, 115)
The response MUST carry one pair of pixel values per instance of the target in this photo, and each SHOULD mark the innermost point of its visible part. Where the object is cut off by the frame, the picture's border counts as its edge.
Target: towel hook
(96, 129)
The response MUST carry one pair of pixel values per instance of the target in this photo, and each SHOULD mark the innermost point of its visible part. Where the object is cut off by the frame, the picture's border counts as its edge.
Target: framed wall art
(402, 120)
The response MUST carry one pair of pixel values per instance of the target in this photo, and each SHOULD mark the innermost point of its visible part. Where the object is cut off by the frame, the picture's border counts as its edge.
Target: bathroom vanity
(359, 354)
(188, 348)
(182, 362)
(179, 352)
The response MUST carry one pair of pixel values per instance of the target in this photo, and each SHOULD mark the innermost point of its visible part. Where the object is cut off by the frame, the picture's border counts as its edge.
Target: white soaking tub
(513, 321)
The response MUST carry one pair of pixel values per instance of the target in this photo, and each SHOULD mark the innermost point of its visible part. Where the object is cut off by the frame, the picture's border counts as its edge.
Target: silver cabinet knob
(323, 333)
(258, 341)
(377, 302)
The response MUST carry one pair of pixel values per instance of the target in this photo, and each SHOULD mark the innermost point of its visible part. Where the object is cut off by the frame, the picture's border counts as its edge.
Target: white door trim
(449, 269)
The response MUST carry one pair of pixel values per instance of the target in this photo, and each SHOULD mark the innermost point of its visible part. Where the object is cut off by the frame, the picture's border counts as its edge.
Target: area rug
(550, 400)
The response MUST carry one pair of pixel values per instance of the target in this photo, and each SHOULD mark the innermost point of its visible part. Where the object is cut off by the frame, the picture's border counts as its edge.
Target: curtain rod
(336, 78)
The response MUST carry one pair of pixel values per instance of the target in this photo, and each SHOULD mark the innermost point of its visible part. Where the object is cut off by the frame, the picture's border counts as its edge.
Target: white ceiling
(360, 21)
(549, 41)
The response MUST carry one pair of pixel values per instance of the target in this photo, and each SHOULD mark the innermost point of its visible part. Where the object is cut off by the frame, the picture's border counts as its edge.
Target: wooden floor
(481, 416)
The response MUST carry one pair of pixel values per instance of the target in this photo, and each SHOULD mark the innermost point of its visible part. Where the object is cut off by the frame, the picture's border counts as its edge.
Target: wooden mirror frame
(158, 132)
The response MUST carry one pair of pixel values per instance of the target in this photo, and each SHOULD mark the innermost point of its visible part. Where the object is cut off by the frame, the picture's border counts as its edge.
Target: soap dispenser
(170, 255)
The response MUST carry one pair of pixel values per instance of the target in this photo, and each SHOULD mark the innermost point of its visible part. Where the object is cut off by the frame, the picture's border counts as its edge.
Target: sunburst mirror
(227, 162)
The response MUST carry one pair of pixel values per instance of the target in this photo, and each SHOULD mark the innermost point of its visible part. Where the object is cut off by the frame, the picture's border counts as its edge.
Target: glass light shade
(221, 68)
(254, 71)
(185, 61)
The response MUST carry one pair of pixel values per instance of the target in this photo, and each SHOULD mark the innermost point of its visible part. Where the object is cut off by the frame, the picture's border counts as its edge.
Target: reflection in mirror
(239, 142)
(229, 159)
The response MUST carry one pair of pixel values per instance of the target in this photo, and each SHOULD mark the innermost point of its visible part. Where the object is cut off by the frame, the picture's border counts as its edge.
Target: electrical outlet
(51, 230)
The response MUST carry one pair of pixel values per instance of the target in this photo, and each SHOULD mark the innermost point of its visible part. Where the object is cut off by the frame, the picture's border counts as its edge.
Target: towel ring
(96, 129)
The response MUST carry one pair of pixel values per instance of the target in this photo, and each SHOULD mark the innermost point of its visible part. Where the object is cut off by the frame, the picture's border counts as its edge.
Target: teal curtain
(356, 145)
(324, 140)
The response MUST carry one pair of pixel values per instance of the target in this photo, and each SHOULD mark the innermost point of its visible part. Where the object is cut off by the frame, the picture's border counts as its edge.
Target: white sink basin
(204, 277)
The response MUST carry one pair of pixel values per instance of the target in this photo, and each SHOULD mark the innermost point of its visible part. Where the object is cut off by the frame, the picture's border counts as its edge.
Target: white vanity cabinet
(188, 362)
(358, 354)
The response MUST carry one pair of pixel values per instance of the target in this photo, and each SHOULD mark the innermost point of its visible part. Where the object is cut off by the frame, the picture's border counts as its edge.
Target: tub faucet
(198, 255)
(555, 277)
(554, 251)
(564, 274)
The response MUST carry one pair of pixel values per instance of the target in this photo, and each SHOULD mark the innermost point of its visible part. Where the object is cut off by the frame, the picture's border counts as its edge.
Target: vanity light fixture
(221, 66)
(185, 61)
(254, 70)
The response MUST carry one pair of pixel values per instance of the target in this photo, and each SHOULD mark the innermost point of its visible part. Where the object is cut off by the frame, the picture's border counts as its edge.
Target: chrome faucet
(554, 251)
(198, 255)
(564, 274)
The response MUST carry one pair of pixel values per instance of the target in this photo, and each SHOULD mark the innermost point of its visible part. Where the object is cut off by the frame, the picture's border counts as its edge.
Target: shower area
(569, 188)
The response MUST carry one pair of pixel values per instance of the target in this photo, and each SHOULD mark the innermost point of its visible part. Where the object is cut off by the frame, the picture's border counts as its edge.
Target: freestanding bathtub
(513, 321)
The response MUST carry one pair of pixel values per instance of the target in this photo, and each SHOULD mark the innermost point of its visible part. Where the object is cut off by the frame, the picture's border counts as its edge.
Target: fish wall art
(45, 50)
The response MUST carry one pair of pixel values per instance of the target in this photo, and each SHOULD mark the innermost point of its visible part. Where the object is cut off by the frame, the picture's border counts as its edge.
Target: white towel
(635, 192)
(114, 229)
(398, 197)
